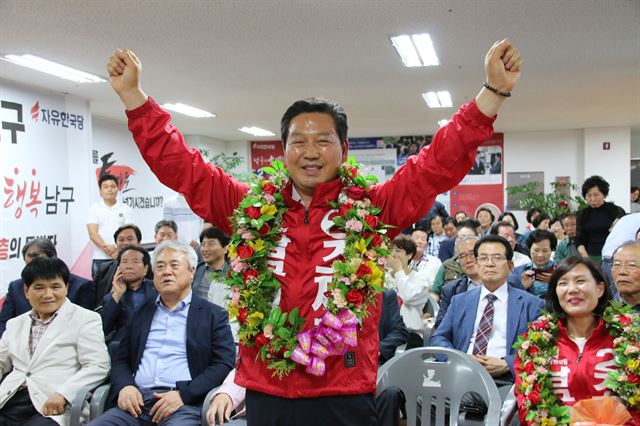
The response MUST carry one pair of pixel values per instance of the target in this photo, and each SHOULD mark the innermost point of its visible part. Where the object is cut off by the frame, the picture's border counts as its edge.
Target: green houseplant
(556, 203)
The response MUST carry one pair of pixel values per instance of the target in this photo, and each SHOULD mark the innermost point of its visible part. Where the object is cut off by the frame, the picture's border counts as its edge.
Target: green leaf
(248, 202)
(283, 333)
(293, 316)
(274, 315)
(269, 170)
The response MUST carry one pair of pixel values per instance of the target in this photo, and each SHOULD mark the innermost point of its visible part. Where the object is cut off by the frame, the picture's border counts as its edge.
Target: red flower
(261, 340)
(533, 350)
(529, 368)
(264, 229)
(355, 297)
(625, 320)
(633, 378)
(242, 315)
(376, 240)
(356, 193)
(534, 398)
(327, 294)
(563, 204)
(342, 211)
(372, 221)
(539, 325)
(353, 172)
(251, 273)
(363, 270)
(253, 212)
(245, 252)
(269, 189)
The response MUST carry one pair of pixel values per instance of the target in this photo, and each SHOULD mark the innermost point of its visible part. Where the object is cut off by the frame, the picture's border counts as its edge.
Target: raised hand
(502, 65)
(125, 70)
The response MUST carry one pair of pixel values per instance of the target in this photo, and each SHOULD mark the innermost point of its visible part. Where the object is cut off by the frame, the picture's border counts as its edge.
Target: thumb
(499, 48)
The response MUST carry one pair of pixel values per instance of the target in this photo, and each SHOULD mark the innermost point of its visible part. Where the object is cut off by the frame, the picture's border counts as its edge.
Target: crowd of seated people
(489, 289)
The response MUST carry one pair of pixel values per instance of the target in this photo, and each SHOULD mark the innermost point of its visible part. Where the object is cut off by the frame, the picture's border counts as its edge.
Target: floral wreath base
(358, 275)
(538, 346)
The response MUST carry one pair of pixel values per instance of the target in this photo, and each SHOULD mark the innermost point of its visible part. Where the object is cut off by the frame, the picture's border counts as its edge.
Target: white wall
(612, 164)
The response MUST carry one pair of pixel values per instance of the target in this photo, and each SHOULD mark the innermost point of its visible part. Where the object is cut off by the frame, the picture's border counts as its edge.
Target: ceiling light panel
(256, 131)
(53, 68)
(441, 99)
(416, 50)
(188, 110)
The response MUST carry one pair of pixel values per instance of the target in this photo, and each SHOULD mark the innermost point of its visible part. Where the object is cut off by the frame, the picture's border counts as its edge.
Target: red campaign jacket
(578, 378)
(307, 250)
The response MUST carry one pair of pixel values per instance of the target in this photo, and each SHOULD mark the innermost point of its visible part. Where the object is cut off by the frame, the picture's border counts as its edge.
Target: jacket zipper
(306, 216)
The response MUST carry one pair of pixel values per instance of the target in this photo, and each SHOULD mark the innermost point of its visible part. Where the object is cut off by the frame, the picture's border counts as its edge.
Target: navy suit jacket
(456, 328)
(447, 248)
(116, 315)
(16, 302)
(391, 328)
(450, 289)
(210, 349)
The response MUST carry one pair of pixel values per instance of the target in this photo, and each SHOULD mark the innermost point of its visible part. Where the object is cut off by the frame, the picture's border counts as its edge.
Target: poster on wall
(263, 153)
(404, 146)
(483, 185)
(45, 141)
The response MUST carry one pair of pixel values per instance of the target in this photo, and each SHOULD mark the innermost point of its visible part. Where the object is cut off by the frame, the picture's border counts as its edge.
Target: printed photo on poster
(486, 168)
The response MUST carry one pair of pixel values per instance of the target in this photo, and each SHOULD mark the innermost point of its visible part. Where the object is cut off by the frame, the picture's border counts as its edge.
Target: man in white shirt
(105, 217)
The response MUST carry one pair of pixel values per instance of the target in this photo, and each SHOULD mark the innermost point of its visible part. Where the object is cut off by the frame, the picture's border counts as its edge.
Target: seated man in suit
(125, 235)
(485, 322)
(130, 290)
(471, 278)
(48, 354)
(174, 350)
(16, 303)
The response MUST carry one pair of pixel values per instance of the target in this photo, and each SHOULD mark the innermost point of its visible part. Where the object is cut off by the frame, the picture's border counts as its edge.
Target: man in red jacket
(314, 133)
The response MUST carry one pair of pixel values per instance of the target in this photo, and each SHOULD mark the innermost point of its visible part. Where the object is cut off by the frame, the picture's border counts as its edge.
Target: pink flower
(338, 298)
(531, 378)
(354, 225)
(247, 236)
(526, 344)
(345, 280)
(270, 199)
(235, 296)
(362, 212)
(631, 349)
(542, 370)
(546, 335)
(238, 266)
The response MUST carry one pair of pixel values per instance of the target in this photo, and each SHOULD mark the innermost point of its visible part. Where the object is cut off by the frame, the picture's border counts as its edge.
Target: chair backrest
(436, 385)
(431, 307)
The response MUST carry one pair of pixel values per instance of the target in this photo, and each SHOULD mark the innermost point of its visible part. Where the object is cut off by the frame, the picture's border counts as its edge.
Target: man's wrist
(132, 99)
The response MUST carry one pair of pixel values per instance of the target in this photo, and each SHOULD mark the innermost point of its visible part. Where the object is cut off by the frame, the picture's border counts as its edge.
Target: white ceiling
(247, 61)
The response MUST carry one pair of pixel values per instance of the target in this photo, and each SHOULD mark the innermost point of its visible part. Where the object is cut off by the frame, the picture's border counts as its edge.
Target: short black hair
(508, 251)
(469, 223)
(495, 228)
(214, 233)
(595, 181)
(136, 230)
(44, 244)
(420, 227)
(551, 299)
(405, 243)
(169, 223)
(335, 110)
(540, 235)
(536, 221)
(450, 221)
(105, 177)
(46, 268)
(484, 209)
(146, 258)
(566, 216)
(531, 212)
(512, 216)
(434, 217)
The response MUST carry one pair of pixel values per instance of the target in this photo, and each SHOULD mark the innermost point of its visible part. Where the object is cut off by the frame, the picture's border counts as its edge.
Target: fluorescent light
(416, 50)
(443, 122)
(440, 99)
(53, 68)
(256, 131)
(425, 48)
(406, 50)
(445, 99)
(188, 110)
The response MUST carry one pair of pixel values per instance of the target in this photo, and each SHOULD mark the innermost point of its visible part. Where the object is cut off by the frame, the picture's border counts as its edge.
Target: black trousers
(19, 411)
(347, 410)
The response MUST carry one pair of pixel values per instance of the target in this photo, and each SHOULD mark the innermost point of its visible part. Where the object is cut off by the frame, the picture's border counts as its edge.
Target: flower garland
(358, 275)
(538, 346)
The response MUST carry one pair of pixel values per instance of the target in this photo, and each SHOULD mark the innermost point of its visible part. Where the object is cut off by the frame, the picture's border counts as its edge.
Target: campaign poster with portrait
(483, 185)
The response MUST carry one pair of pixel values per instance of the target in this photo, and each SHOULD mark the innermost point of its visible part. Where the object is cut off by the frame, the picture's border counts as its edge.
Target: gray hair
(456, 250)
(631, 244)
(178, 246)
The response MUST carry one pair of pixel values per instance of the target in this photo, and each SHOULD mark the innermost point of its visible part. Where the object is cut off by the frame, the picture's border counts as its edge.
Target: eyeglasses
(496, 258)
(468, 255)
(631, 266)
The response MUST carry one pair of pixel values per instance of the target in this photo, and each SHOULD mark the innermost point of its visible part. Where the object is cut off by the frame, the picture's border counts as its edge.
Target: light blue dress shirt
(164, 361)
